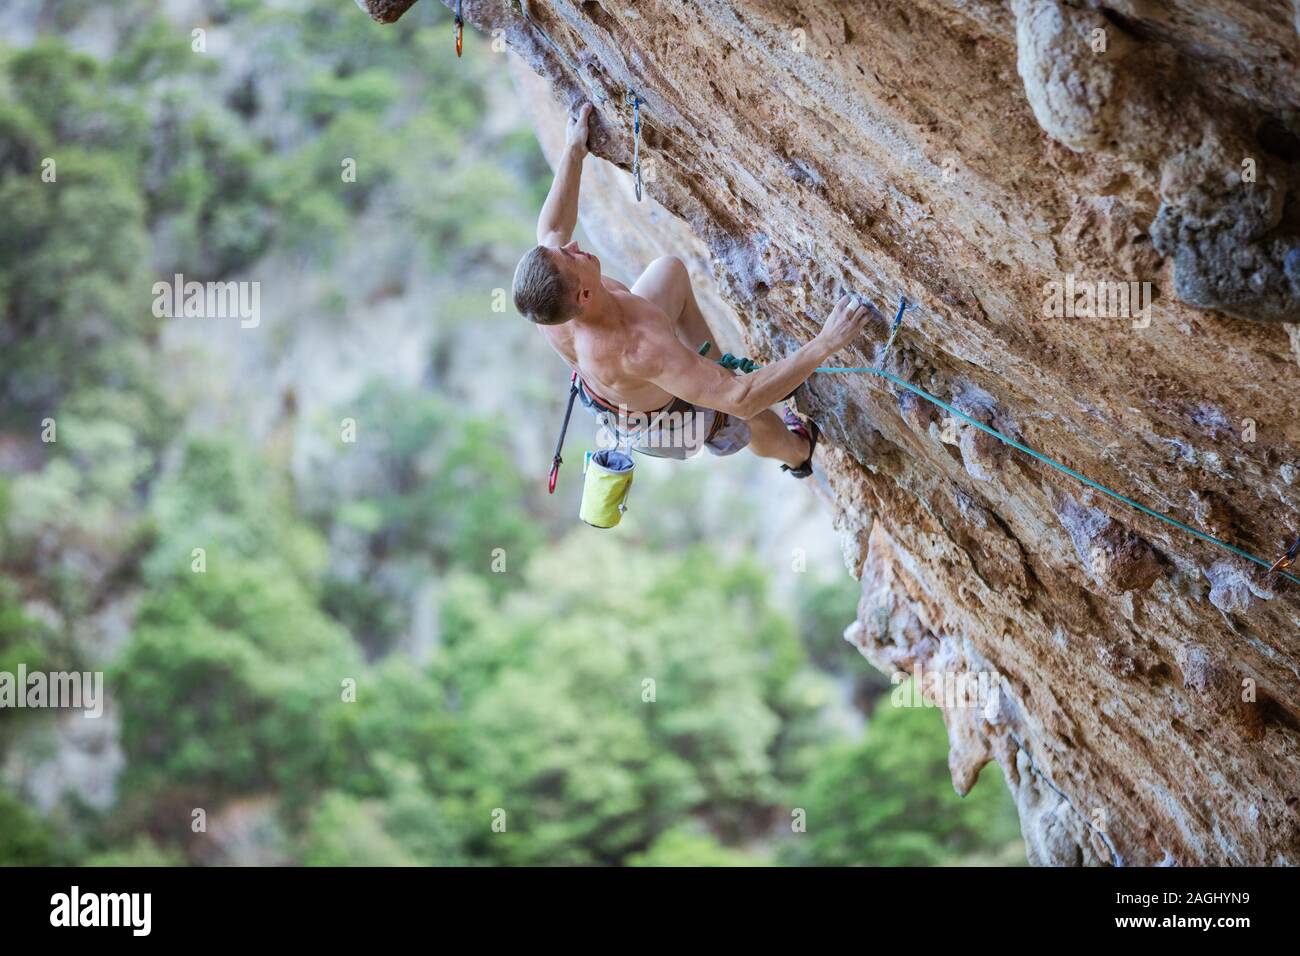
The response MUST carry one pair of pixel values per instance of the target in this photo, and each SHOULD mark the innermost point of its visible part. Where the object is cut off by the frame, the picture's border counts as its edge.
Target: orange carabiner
(460, 29)
(1287, 559)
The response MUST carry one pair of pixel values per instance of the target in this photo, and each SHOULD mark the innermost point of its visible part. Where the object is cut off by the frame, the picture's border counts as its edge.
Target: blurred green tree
(888, 800)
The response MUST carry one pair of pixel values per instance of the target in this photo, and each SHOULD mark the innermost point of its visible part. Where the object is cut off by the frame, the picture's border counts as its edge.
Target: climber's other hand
(846, 322)
(576, 135)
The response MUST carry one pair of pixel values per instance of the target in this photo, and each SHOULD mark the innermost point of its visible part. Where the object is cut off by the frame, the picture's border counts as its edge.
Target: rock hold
(1113, 556)
(1234, 584)
(1095, 88)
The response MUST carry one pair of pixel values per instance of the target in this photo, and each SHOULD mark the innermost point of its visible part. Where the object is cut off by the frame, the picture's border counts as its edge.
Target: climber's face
(581, 269)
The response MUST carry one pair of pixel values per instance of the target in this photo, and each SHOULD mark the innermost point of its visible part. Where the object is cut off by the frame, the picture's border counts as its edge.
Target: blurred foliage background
(668, 694)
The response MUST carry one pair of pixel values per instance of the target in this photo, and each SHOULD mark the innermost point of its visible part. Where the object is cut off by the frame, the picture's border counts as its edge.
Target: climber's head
(555, 283)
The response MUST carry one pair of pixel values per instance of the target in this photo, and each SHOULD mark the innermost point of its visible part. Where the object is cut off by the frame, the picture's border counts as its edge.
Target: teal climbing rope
(748, 365)
(1058, 466)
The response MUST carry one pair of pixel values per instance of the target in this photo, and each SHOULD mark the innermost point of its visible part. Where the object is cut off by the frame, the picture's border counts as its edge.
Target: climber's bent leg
(727, 433)
(667, 283)
(771, 439)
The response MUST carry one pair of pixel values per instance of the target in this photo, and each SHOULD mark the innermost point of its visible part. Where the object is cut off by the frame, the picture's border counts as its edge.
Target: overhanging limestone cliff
(981, 157)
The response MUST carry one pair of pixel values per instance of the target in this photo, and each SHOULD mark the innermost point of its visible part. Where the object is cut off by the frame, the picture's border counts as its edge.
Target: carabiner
(459, 29)
(904, 307)
(636, 101)
(1288, 559)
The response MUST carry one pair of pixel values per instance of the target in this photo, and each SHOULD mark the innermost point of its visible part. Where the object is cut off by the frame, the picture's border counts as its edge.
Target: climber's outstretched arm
(664, 360)
(560, 212)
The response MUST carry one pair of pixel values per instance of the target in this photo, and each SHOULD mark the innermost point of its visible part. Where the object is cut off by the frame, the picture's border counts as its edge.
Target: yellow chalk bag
(605, 487)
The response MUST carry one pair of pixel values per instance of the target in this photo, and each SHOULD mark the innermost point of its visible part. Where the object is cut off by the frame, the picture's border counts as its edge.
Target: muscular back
(602, 351)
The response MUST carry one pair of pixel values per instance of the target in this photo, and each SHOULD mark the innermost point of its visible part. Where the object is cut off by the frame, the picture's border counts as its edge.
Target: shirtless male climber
(636, 350)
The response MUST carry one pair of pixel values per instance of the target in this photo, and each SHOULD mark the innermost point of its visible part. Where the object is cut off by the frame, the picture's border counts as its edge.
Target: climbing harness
(636, 101)
(556, 460)
(1277, 567)
(609, 473)
(458, 31)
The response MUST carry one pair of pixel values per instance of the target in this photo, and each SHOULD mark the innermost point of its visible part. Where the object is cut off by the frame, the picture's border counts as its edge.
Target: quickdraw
(903, 309)
(1288, 559)
(557, 461)
(459, 30)
(636, 102)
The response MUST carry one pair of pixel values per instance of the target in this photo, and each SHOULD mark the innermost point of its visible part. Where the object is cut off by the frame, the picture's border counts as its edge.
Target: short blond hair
(541, 291)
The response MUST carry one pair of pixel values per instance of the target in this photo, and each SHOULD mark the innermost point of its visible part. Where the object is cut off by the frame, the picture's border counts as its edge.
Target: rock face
(1013, 167)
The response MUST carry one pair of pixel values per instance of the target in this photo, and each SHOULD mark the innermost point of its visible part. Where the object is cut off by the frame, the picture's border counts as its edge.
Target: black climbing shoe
(808, 430)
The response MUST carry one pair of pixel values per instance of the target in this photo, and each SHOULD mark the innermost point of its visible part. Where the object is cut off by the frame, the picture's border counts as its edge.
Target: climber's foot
(810, 432)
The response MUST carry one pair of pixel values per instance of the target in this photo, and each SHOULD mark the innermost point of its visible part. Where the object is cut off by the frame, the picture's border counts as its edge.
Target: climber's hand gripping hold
(575, 133)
